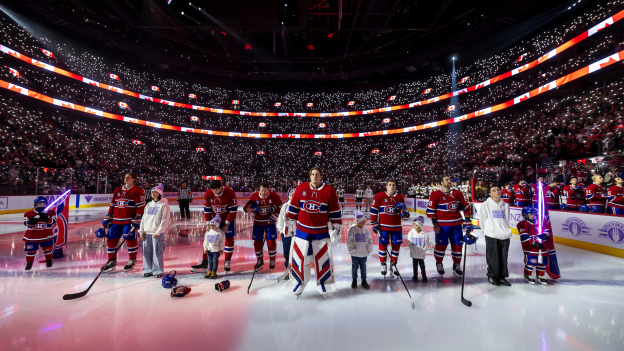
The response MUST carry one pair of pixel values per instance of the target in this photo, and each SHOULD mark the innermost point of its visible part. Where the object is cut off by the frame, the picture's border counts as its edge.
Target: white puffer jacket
(417, 242)
(155, 218)
(214, 240)
(283, 223)
(359, 241)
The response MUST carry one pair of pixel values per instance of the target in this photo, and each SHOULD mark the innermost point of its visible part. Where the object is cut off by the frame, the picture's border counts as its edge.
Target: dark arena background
(311, 175)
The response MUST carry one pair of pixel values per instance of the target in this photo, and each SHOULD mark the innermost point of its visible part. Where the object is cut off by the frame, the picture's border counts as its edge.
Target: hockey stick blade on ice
(399, 274)
(463, 299)
(255, 270)
(81, 294)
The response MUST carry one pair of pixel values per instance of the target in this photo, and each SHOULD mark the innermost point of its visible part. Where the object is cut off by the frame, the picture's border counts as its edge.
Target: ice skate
(28, 266)
(202, 267)
(272, 264)
(49, 263)
(226, 265)
(394, 272)
(529, 279)
(128, 267)
(384, 269)
(457, 270)
(542, 280)
(440, 268)
(259, 264)
(109, 267)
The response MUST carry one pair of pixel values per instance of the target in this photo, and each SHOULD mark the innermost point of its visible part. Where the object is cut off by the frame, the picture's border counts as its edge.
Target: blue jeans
(358, 262)
(213, 261)
(286, 240)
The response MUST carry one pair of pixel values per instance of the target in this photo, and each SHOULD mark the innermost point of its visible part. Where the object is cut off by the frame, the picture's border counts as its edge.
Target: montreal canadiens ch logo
(613, 231)
(389, 210)
(263, 210)
(218, 209)
(122, 203)
(312, 206)
(452, 206)
(575, 226)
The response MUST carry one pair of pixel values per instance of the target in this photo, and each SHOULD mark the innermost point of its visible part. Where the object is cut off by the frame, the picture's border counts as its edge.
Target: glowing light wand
(540, 216)
(57, 201)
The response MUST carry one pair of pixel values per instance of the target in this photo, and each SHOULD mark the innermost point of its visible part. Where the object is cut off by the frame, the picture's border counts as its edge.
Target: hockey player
(264, 204)
(386, 212)
(220, 200)
(551, 193)
(522, 193)
(39, 232)
(596, 195)
(535, 254)
(124, 218)
(575, 195)
(315, 207)
(341, 197)
(508, 194)
(359, 195)
(444, 209)
(287, 229)
(616, 198)
(535, 192)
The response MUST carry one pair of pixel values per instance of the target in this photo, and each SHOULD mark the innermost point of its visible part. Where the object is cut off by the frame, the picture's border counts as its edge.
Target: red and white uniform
(126, 204)
(272, 200)
(535, 193)
(528, 232)
(313, 208)
(552, 196)
(616, 196)
(42, 231)
(575, 196)
(445, 207)
(383, 211)
(508, 196)
(522, 193)
(595, 195)
(224, 205)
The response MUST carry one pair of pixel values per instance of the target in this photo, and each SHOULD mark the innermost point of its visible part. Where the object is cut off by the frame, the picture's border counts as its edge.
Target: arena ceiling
(286, 40)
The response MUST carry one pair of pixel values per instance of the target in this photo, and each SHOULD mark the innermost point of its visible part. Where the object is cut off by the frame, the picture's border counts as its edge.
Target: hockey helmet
(180, 291)
(169, 281)
(100, 233)
(584, 208)
(595, 209)
(471, 238)
(40, 199)
(563, 207)
(527, 210)
(254, 206)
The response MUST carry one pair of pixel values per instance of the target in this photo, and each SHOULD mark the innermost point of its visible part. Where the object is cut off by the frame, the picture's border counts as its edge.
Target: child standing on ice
(152, 231)
(214, 243)
(418, 242)
(360, 245)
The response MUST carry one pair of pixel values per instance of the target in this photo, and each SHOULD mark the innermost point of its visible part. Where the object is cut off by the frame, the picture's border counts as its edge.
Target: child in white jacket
(287, 229)
(152, 232)
(418, 242)
(214, 243)
(360, 245)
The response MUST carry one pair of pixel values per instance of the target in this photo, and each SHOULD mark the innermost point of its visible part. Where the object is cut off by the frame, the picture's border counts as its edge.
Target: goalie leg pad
(324, 265)
(300, 266)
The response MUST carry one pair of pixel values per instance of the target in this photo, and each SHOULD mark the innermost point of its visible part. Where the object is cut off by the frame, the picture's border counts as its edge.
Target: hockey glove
(136, 222)
(180, 291)
(467, 228)
(33, 220)
(538, 245)
(471, 238)
(376, 228)
(335, 235)
(107, 219)
(44, 216)
(100, 233)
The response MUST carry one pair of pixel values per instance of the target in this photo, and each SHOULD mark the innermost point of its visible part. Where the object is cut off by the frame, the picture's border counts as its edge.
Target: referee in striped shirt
(184, 198)
(147, 192)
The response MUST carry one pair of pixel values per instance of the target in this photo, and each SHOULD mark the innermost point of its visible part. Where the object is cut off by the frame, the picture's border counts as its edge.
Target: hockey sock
(395, 252)
(541, 270)
(204, 256)
(30, 256)
(229, 248)
(456, 251)
(272, 246)
(528, 270)
(133, 248)
(382, 253)
(438, 252)
(258, 247)
(47, 251)
(111, 246)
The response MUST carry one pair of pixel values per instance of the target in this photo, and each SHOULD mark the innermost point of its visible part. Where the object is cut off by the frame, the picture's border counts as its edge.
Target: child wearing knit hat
(214, 243)
(418, 242)
(360, 245)
(152, 232)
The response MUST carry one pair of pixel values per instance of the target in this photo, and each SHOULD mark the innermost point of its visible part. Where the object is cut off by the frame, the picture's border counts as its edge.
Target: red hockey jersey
(522, 192)
(551, 195)
(42, 231)
(225, 205)
(445, 208)
(384, 213)
(616, 196)
(575, 196)
(272, 200)
(528, 231)
(313, 208)
(507, 195)
(126, 204)
(595, 195)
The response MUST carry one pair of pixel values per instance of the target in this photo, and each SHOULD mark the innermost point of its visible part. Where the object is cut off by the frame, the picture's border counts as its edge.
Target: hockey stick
(81, 294)
(255, 270)
(399, 274)
(463, 299)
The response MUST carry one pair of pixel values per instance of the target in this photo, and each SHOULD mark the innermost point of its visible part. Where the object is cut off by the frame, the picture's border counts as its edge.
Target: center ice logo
(613, 231)
(575, 226)
(312, 206)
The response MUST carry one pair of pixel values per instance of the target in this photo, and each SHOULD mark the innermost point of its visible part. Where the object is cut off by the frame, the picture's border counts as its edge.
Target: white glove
(335, 235)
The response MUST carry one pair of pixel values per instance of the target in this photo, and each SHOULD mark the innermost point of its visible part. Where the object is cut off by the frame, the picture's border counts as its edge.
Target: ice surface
(124, 311)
